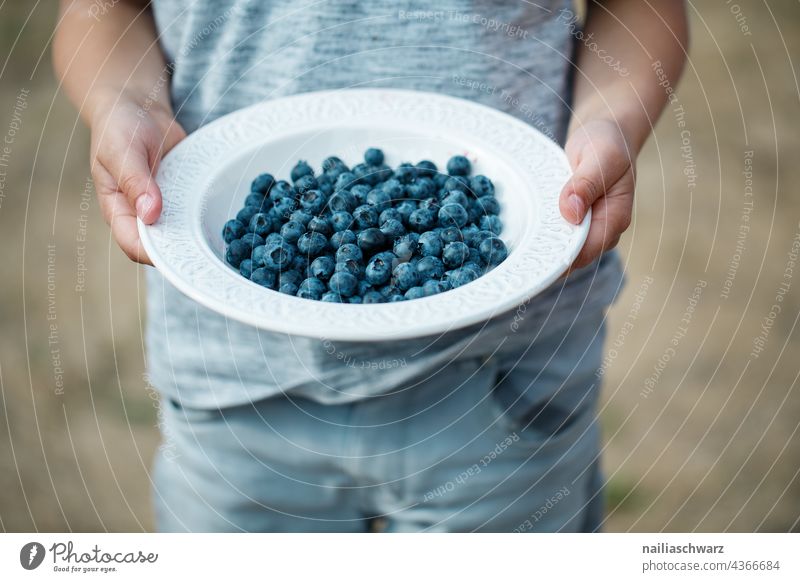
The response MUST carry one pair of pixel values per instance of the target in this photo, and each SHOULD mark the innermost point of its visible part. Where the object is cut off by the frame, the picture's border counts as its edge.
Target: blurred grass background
(712, 447)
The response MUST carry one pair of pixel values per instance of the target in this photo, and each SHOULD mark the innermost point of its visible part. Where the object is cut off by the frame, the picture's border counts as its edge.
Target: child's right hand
(128, 142)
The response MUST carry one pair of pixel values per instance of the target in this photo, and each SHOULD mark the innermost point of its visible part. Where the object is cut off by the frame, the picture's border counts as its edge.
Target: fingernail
(577, 206)
(143, 204)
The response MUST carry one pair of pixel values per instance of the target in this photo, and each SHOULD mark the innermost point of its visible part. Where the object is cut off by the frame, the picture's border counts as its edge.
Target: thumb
(134, 176)
(597, 168)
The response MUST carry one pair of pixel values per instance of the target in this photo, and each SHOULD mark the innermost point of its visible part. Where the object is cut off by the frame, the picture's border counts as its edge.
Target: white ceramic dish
(205, 179)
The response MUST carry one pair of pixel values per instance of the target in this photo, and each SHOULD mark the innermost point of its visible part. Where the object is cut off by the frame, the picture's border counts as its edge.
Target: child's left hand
(603, 180)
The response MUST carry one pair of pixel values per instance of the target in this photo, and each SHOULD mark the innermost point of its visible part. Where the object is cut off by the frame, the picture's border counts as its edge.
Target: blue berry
(331, 297)
(487, 205)
(246, 213)
(452, 215)
(355, 299)
(259, 201)
(405, 173)
(232, 230)
(456, 183)
(456, 197)
(405, 276)
(492, 224)
(301, 169)
(379, 199)
(281, 189)
(333, 165)
(371, 240)
(343, 283)
(288, 288)
(261, 224)
(252, 240)
(459, 277)
(263, 183)
(366, 216)
(344, 181)
(364, 287)
(341, 221)
(325, 183)
(279, 256)
(393, 229)
(322, 268)
(406, 208)
(396, 297)
(342, 201)
(451, 234)
(291, 231)
(359, 193)
(432, 287)
(406, 245)
(365, 174)
(390, 214)
(458, 166)
(299, 264)
(431, 204)
(343, 238)
(421, 220)
(415, 293)
(374, 297)
(349, 251)
(312, 288)
(454, 254)
(481, 186)
(430, 244)
(246, 268)
(475, 257)
(258, 256)
(373, 157)
(312, 243)
(351, 266)
(426, 168)
(284, 207)
(305, 184)
(313, 201)
(493, 251)
(301, 216)
(430, 268)
(264, 277)
(320, 224)
(393, 188)
(378, 271)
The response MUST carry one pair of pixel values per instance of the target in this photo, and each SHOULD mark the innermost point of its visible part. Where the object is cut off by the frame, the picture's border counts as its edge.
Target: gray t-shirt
(224, 55)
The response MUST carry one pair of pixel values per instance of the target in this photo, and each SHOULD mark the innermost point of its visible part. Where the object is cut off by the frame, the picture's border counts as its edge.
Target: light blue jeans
(456, 451)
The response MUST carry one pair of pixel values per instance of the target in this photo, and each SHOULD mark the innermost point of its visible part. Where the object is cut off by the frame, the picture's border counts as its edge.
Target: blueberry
(349, 251)
(299, 264)
(458, 166)
(258, 256)
(393, 188)
(405, 276)
(331, 297)
(301, 216)
(259, 201)
(432, 287)
(456, 197)
(374, 297)
(382, 173)
(343, 283)
(290, 276)
(364, 287)
(390, 214)
(431, 203)
(252, 240)
(312, 288)
(322, 268)
(440, 180)
(452, 215)
(345, 181)
(341, 221)
(426, 168)
(246, 213)
(312, 243)
(351, 266)
(493, 251)
(279, 256)
(320, 224)
(451, 234)
(300, 170)
(414, 191)
(288, 288)
(406, 208)
(306, 183)
(430, 244)
(395, 298)
(492, 224)
(261, 224)
(481, 185)
(456, 183)
(459, 277)
(454, 254)
(264, 277)
(475, 257)
(415, 293)
(333, 165)
(406, 245)
(343, 238)
(313, 201)
(325, 183)
(393, 229)
(487, 205)
(246, 268)
(378, 271)
(474, 268)
(405, 173)
(366, 216)
(342, 201)
(373, 157)
(273, 237)
(284, 207)
(263, 183)
(389, 290)
(359, 193)
(232, 230)
(365, 174)
(355, 299)
(291, 231)
(280, 190)
(371, 240)
(421, 220)
(379, 199)
(430, 268)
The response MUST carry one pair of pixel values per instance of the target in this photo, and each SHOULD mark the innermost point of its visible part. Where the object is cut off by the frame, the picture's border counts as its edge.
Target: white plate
(206, 178)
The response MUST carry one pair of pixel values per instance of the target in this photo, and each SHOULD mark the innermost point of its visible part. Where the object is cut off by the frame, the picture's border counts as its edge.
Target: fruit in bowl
(367, 234)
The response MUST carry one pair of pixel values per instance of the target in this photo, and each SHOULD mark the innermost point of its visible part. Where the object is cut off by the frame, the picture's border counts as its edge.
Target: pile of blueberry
(369, 234)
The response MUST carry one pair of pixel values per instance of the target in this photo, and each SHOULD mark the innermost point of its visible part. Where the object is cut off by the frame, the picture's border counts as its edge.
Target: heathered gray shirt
(227, 54)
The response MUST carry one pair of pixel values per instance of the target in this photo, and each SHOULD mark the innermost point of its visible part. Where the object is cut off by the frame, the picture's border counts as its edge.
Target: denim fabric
(441, 454)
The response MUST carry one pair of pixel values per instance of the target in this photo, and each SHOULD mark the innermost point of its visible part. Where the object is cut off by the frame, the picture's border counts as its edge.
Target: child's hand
(128, 143)
(603, 179)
